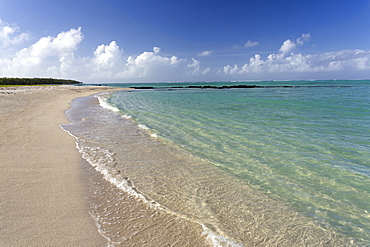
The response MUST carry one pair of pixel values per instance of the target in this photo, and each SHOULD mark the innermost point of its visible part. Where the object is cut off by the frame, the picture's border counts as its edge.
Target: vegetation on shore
(36, 81)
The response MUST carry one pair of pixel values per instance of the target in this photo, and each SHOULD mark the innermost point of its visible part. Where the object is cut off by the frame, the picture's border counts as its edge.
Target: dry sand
(42, 193)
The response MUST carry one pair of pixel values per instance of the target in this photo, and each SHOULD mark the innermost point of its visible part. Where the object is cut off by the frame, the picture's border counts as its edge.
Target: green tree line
(36, 81)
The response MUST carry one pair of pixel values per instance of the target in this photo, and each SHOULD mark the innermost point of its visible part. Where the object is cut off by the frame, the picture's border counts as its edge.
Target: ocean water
(284, 164)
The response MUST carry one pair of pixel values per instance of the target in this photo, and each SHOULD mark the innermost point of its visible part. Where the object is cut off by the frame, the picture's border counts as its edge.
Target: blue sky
(164, 40)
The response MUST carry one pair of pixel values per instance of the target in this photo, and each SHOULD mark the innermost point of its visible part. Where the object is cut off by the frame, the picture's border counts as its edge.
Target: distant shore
(42, 196)
(36, 81)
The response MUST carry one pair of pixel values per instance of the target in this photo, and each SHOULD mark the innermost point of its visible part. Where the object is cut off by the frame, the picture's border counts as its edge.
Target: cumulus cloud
(56, 56)
(285, 61)
(351, 60)
(7, 34)
(195, 68)
(153, 66)
(250, 44)
(228, 69)
(109, 63)
(150, 64)
(289, 45)
(107, 56)
(156, 50)
(205, 53)
(59, 46)
(47, 57)
(107, 60)
(304, 38)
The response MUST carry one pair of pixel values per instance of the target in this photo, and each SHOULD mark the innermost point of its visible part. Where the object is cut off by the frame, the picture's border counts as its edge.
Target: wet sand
(50, 196)
(43, 199)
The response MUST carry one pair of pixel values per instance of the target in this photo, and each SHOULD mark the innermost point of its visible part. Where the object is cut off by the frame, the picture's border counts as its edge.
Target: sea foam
(103, 102)
(103, 162)
(125, 185)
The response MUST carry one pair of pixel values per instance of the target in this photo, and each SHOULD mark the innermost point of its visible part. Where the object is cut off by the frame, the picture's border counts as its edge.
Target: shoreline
(43, 193)
(123, 217)
(50, 196)
(186, 189)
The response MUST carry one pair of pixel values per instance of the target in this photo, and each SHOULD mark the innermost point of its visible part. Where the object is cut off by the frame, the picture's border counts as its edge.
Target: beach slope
(42, 193)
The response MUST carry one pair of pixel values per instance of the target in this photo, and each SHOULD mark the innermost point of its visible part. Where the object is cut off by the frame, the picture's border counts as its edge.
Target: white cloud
(107, 61)
(195, 65)
(289, 45)
(153, 67)
(46, 57)
(56, 56)
(206, 71)
(107, 56)
(156, 50)
(7, 36)
(250, 44)
(195, 68)
(287, 62)
(231, 70)
(345, 60)
(304, 38)
(255, 64)
(205, 53)
(150, 64)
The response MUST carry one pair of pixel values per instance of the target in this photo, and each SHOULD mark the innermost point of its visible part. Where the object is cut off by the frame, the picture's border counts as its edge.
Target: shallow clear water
(274, 166)
(308, 147)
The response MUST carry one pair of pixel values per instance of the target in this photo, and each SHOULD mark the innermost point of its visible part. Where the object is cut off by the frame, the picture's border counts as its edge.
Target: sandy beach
(42, 193)
(50, 196)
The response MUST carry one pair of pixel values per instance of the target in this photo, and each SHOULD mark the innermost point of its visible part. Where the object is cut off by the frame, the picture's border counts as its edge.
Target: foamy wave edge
(102, 165)
(105, 165)
(212, 237)
(103, 102)
(103, 162)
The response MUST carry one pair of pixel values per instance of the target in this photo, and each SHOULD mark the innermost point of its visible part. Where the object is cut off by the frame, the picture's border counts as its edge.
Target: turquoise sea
(284, 164)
